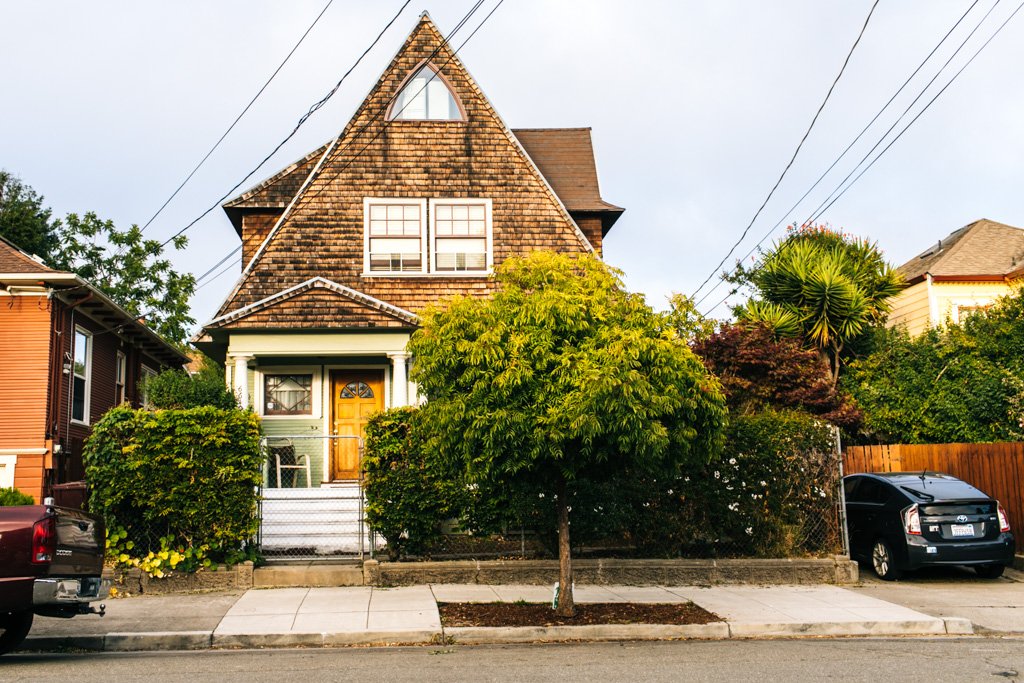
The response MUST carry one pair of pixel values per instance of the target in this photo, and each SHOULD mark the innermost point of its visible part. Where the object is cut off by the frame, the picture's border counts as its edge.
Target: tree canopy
(825, 287)
(561, 375)
(133, 271)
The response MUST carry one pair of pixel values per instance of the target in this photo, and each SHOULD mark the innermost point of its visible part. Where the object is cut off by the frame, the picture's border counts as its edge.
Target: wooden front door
(355, 395)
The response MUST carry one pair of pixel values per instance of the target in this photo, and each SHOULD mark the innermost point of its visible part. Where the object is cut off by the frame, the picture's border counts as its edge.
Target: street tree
(826, 288)
(561, 375)
(24, 220)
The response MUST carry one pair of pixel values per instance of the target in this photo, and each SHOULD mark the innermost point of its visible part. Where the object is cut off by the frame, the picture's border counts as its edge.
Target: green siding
(312, 448)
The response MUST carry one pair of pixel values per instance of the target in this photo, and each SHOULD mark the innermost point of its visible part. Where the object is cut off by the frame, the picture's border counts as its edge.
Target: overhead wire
(796, 152)
(819, 211)
(239, 117)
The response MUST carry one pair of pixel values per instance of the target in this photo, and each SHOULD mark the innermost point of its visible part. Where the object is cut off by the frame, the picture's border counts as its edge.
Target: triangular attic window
(425, 97)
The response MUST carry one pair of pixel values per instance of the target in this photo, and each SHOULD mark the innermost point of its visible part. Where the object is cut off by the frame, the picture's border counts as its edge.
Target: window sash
(461, 235)
(81, 375)
(288, 394)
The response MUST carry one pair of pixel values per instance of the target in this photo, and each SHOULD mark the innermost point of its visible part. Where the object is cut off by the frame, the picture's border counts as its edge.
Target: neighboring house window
(394, 231)
(288, 394)
(81, 376)
(121, 372)
(145, 375)
(425, 97)
(460, 235)
(965, 312)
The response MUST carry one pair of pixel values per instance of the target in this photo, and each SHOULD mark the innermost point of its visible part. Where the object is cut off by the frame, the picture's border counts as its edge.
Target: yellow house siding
(318, 344)
(910, 309)
(950, 296)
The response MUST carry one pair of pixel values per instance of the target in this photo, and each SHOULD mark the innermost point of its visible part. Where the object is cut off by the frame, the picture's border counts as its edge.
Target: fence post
(842, 491)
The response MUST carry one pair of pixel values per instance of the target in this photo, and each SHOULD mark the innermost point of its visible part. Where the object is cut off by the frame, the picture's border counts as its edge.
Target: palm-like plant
(823, 287)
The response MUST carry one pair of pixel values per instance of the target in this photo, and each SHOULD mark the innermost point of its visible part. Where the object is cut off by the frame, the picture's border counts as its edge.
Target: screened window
(288, 395)
(394, 233)
(460, 234)
(146, 374)
(426, 97)
(81, 375)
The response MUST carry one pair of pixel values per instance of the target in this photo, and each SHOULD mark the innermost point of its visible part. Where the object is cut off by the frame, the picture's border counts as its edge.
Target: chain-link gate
(306, 514)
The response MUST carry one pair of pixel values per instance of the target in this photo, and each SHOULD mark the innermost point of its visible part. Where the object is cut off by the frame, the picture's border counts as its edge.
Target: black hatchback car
(907, 520)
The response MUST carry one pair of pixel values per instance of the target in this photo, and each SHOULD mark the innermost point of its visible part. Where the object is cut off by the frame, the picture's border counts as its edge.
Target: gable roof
(982, 250)
(320, 232)
(297, 293)
(19, 270)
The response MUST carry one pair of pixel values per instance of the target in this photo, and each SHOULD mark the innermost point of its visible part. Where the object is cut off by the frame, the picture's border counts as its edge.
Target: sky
(696, 108)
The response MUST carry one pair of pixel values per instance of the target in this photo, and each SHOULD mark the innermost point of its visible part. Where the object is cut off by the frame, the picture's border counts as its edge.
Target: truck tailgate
(81, 544)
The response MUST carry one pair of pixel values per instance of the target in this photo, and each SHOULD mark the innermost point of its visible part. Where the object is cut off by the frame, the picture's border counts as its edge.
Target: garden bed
(541, 614)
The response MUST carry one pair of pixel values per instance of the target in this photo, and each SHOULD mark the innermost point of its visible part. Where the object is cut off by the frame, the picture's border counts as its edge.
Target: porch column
(399, 379)
(242, 380)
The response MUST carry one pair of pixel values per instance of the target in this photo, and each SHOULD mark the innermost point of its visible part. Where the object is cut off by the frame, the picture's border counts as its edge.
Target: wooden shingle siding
(24, 360)
(317, 309)
(255, 228)
(479, 157)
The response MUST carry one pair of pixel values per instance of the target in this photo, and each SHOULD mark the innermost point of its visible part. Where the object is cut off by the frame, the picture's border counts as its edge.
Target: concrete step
(308, 574)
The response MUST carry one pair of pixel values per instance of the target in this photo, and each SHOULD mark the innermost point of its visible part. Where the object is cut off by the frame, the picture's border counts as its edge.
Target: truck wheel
(14, 626)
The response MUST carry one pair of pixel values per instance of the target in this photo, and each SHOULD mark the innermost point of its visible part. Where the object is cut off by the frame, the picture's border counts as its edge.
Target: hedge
(177, 487)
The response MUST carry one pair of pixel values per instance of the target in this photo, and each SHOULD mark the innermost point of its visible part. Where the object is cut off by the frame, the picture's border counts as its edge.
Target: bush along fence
(995, 468)
(177, 488)
(772, 492)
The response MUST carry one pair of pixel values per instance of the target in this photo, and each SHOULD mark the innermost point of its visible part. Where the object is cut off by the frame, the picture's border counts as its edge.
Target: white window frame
(316, 406)
(120, 378)
(488, 241)
(87, 390)
(405, 201)
(145, 372)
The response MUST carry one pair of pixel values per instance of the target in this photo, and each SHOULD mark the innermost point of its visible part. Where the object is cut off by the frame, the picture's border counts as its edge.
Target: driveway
(995, 605)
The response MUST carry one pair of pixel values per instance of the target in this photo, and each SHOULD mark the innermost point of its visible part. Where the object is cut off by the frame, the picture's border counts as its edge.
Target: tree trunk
(566, 606)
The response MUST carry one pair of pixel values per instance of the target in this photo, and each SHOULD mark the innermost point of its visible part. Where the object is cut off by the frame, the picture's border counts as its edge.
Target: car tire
(989, 571)
(883, 561)
(14, 626)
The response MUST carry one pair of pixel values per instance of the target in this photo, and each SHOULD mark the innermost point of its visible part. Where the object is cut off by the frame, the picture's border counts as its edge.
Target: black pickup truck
(51, 564)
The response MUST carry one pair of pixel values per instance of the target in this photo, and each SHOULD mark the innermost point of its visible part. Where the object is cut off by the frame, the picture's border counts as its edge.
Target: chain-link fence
(311, 502)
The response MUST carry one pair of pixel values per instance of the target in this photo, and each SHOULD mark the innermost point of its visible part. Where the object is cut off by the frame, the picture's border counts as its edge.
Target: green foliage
(12, 496)
(561, 374)
(130, 269)
(957, 384)
(688, 322)
(177, 390)
(409, 493)
(175, 481)
(24, 220)
(824, 287)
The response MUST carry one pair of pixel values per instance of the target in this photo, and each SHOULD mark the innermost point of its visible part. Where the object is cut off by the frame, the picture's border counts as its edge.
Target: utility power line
(795, 152)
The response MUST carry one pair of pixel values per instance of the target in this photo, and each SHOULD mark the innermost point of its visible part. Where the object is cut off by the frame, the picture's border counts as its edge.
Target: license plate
(958, 530)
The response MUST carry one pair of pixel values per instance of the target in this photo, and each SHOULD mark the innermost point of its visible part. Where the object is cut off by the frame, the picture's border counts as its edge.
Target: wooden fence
(995, 468)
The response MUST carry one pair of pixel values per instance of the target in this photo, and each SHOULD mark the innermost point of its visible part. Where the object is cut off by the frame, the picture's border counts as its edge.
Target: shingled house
(961, 273)
(421, 195)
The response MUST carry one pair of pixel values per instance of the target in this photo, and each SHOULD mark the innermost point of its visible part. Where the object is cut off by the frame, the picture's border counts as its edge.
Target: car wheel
(884, 562)
(989, 571)
(14, 626)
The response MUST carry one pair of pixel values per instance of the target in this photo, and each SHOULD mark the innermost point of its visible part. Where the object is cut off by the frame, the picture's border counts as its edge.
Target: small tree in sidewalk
(561, 375)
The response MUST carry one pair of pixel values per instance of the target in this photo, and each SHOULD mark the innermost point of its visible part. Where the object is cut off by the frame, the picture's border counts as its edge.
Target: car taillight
(1004, 519)
(44, 540)
(912, 520)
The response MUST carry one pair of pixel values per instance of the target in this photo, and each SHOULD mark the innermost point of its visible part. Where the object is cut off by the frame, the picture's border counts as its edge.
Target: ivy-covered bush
(409, 494)
(176, 487)
(12, 496)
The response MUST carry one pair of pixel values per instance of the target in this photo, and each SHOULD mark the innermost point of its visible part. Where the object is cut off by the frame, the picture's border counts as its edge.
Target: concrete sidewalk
(319, 617)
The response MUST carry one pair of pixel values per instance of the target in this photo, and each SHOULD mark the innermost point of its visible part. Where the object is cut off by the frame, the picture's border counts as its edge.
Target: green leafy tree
(177, 390)
(561, 375)
(24, 220)
(131, 270)
(825, 287)
(134, 272)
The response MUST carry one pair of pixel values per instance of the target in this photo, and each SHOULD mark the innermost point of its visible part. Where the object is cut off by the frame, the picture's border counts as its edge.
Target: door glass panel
(356, 390)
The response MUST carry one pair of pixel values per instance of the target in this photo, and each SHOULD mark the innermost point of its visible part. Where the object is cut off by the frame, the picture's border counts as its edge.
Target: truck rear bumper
(57, 591)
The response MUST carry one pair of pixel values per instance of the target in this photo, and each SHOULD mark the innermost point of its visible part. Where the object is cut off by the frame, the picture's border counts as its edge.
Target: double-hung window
(460, 235)
(394, 235)
(81, 376)
(119, 380)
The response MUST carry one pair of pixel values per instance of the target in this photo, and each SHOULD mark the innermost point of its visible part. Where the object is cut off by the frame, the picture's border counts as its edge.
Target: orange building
(67, 355)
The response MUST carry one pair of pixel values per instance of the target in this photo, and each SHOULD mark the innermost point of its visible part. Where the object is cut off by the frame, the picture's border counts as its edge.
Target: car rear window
(939, 489)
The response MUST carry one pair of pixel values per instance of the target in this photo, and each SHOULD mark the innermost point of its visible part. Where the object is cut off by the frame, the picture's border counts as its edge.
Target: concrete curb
(474, 635)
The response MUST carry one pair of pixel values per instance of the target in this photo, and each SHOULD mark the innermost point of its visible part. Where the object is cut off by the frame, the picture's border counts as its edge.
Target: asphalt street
(906, 660)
